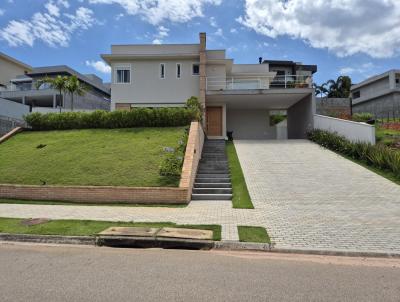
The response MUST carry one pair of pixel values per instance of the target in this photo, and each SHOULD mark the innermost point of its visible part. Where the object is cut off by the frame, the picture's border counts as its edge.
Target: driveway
(312, 198)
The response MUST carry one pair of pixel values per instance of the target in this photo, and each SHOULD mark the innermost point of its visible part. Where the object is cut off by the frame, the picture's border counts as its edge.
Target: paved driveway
(312, 198)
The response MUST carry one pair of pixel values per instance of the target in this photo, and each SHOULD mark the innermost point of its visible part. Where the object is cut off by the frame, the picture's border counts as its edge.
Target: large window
(195, 69)
(162, 71)
(122, 75)
(356, 94)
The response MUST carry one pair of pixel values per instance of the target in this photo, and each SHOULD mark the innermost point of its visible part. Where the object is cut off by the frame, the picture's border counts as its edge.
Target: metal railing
(25, 87)
(258, 82)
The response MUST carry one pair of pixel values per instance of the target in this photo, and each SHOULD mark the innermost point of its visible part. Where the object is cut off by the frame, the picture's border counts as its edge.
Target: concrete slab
(130, 231)
(185, 233)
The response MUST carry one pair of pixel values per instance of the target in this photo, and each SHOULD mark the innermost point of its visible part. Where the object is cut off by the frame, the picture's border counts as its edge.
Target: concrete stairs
(213, 180)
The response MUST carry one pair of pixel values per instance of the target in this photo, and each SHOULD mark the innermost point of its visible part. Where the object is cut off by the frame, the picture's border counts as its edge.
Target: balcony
(258, 82)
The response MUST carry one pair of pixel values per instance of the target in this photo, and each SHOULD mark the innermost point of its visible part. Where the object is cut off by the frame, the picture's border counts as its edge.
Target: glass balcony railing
(262, 82)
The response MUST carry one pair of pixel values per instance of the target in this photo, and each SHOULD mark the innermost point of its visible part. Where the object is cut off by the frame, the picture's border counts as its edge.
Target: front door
(214, 121)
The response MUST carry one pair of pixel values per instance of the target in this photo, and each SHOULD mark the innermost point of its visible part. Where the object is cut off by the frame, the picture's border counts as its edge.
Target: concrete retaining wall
(353, 131)
(13, 109)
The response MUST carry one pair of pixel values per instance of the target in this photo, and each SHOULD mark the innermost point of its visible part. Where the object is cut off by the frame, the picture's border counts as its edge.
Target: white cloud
(345, 27)
(233, 31)
(51, 27)
(52, 9)
(213, 23)
(100, 66)
(2, 12)
(219, 32)
(157, 41)
(158, 11)
(163, 32)
(359, 69)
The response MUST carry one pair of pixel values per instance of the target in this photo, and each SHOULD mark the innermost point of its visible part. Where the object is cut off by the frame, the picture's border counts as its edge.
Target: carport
(246, 112)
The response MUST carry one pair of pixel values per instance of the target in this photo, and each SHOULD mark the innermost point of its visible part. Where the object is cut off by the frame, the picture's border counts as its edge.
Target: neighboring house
(379, 95)
(236, 97)
(22, 89)
(10, 68)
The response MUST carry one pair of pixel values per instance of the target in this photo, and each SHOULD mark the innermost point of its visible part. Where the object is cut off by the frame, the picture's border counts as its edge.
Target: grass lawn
(70, 203)
(241, 198)
(119, 157)
(253, 234)
(88, 227)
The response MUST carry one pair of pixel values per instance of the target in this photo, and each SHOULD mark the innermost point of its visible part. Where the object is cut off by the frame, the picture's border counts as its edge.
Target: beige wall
(9, 70)
(249, 124)
(147, 87)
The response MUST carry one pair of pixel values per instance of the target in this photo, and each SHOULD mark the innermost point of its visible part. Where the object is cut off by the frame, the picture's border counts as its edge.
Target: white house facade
(237, 98)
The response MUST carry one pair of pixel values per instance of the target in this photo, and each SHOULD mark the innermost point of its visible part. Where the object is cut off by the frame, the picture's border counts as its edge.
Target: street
(79, 273)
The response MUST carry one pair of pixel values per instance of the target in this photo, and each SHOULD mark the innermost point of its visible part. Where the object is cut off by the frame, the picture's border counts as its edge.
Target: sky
(358, 38)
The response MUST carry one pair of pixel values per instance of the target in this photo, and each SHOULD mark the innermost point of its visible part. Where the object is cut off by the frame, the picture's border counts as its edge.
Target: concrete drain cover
(185, 233)
(34, 221)
(130, 231)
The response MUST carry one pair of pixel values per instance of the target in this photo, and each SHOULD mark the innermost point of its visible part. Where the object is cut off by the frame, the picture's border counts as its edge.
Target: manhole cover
(130, 231)
(186, 233)
(34, 221)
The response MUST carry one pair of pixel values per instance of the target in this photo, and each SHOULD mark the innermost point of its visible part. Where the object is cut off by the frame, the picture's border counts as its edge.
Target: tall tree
(75, 87)
(339, 88)
(58, 83)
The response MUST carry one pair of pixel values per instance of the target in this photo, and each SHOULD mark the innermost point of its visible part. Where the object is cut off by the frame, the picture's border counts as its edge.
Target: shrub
(362, 117)
(379, 156)
(137, 117)
(172, 163)
(276, 119)
(194, 105)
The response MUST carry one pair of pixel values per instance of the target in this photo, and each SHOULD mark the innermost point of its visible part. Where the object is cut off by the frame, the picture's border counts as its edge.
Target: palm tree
(320, 90)
(74, 86)
(58, 83)
(339, 88)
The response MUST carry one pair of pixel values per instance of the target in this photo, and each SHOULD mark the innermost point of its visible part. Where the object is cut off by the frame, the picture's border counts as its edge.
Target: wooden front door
(214, 121)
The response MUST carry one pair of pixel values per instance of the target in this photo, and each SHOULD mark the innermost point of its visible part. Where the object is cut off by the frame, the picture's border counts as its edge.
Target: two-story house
(379, 95)
(236, 97)
(22, 89)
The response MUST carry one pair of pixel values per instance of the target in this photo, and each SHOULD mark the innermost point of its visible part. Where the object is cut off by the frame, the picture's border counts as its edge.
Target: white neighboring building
(236, 97)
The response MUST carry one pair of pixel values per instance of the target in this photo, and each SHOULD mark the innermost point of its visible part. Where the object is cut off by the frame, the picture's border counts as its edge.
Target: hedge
(172, 162)
(378, 156)
(137, 117)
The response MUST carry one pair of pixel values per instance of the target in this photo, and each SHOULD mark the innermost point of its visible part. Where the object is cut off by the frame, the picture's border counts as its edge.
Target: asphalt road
(73, 273)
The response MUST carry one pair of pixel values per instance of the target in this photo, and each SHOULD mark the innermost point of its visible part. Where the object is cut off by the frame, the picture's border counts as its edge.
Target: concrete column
(392, 79)
(23, 100)
(54, 101)
(203, 62)
(300, 117)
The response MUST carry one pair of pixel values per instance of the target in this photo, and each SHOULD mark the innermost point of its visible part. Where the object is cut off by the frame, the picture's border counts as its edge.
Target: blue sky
(359, 38)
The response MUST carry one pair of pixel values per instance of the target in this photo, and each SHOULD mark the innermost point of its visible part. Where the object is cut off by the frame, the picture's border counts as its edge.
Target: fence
(353, 131)
(8, 123)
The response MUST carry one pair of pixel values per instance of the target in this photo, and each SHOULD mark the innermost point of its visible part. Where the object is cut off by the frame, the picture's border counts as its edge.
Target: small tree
(74, 86)
(194, 104)
(58, 83)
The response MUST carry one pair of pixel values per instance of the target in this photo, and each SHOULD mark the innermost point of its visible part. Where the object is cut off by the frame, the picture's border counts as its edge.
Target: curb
(268, 247)
(84, 240)
(175, 243)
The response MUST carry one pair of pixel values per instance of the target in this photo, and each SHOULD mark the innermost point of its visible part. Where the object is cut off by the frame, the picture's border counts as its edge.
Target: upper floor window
(195, 69)
(162, 71)
(356, 94)
(122, 75)
(178, 70)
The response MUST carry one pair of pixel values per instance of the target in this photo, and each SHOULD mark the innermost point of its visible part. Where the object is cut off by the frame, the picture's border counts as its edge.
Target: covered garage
(247, 113)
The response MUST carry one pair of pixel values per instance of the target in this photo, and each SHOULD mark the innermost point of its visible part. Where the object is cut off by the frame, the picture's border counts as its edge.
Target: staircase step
(212, 191)
(213, 180)
(213, 171)
(212, 185)
(212, 175)
(211, 196)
